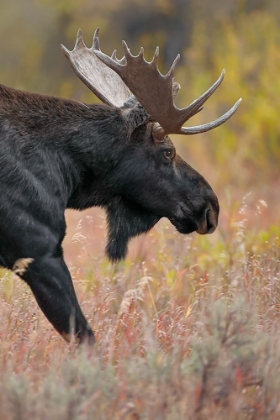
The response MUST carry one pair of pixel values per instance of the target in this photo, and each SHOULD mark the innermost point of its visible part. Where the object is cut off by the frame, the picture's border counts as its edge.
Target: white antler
(97, 76)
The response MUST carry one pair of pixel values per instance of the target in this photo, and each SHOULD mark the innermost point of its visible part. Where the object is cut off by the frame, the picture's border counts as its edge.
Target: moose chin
(57, 154)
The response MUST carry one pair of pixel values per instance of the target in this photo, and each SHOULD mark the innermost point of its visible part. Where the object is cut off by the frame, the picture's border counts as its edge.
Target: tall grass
(193, 332)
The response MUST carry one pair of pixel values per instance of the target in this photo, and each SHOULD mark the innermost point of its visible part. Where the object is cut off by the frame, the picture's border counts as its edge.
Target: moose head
(57, 154)
(153, 180)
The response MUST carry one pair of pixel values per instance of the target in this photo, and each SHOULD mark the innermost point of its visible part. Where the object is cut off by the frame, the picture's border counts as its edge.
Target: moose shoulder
(57, 154)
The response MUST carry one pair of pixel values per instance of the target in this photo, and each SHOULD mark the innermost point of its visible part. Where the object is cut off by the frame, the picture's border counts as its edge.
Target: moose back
(57, 154)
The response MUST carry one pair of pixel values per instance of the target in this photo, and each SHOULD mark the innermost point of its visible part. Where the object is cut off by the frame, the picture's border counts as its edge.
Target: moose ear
(125, 220)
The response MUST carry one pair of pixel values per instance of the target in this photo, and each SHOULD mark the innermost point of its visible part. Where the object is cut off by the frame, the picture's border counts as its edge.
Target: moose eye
(168, 154)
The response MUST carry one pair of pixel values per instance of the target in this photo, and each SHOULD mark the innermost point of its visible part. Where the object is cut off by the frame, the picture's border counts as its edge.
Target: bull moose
(57, 153)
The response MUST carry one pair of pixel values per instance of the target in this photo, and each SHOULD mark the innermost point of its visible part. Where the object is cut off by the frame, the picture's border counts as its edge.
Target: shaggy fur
(57, 154)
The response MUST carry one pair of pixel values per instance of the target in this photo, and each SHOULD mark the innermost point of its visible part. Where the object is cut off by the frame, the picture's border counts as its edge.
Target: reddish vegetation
(192, 332)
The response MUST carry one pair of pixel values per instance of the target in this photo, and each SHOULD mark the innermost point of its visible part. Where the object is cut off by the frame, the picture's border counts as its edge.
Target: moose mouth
(186, 225)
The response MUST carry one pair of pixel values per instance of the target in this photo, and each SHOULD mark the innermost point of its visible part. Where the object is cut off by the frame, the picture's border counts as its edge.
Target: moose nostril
(210, 220)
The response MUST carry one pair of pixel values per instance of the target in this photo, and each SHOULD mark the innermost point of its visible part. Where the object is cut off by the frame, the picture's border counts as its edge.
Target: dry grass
(188, 327)
(193, 332)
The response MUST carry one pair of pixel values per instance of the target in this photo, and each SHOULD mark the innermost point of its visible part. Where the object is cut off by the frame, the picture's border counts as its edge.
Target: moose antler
(155, 92)
(97, 76)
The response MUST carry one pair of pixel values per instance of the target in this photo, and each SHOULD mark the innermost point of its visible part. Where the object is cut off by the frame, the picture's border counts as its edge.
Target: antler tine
(114, 57)
(79, 40)
(95, 43)
(65, 51)
(172, 68)
(126, 50)
(196, 105)
(154, 61)
(213, 124)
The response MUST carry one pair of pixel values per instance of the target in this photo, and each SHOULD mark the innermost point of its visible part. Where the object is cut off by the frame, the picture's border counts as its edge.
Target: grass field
(188, 327)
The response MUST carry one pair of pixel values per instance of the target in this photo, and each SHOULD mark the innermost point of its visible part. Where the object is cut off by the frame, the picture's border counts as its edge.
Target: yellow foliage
(246, 150)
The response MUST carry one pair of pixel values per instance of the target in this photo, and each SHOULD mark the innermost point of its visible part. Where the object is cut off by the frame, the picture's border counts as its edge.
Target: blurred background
(241, 159)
